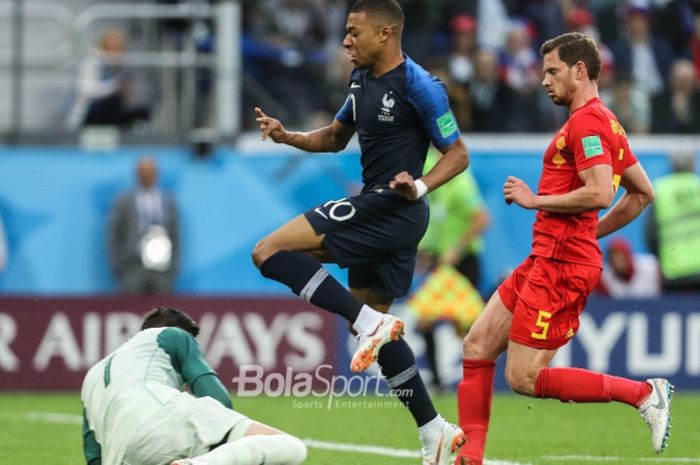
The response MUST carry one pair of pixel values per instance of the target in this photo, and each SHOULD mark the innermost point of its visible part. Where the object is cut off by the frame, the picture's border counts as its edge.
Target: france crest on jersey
(396, 116)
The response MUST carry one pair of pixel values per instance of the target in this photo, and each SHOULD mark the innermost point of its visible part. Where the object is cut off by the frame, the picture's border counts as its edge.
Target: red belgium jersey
(591, 136)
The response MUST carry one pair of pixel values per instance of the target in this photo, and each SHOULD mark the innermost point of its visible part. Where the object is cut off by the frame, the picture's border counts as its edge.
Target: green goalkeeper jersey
(125, 388)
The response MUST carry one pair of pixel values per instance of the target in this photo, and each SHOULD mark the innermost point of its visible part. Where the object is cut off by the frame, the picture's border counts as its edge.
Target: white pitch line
(600, 458)
(362, 449)
(383, 451)
(48, 417)
(54, 417)
(66, 418)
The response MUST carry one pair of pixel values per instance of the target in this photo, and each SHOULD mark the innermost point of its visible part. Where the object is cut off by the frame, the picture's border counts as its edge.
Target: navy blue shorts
(375, 235)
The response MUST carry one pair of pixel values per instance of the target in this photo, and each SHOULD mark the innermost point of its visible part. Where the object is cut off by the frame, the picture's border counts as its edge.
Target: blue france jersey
(396, 116)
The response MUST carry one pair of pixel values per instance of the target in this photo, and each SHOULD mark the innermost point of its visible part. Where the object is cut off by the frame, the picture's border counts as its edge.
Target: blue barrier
(55, 204)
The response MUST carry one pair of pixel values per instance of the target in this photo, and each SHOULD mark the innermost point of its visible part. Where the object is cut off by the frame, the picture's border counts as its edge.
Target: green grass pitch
(44, 429)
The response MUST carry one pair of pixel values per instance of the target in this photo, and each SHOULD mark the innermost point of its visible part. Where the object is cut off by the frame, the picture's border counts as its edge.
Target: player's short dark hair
(388, 10)
(168, 316)
(574, 47)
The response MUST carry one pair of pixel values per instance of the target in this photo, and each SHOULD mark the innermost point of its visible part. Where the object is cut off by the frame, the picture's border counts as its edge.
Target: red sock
(578, 385)
(474, 395)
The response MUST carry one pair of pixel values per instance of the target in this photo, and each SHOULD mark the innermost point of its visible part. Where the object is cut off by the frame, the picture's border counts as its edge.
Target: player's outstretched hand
(270, 127)
(516, 190)
(404, 184)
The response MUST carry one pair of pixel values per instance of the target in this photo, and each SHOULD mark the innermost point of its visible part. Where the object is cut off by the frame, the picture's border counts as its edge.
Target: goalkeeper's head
(168, 316)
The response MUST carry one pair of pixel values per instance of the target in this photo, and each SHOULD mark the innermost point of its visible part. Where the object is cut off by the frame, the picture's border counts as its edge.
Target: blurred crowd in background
(294, 65)
(487, 52)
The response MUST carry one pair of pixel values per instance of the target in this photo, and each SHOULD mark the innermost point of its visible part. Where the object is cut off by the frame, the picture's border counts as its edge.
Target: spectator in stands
(458, 219)
(694, 44)
(491, 99)
(144, 235)
(105, 87)
(334, 13)
(451, 9)
(547, 17)
(521, 65)
(609, 15)
(493, 16)
(644, 56)
(521, 68)
(677, 110)
(287, 46)
(421, 21)
(631, 104)
(674, 20)
(298, 23)
(581, 20)
(673, 225)
(459, 67)
(460, 60)
(627, 275)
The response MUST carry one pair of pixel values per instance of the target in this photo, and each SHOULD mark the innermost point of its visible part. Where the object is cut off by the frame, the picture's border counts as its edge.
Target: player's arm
(597, 192)
(91, 448)
(428, 95)
(455, 159)
(188, 360)
(480, 222)
(331, 138)
(639, 193)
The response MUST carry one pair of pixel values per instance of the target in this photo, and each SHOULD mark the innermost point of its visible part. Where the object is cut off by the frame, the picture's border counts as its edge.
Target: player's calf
(305, 276)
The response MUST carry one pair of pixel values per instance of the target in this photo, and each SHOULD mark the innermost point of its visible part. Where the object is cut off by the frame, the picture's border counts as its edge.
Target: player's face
(558, 79)
(362, 40)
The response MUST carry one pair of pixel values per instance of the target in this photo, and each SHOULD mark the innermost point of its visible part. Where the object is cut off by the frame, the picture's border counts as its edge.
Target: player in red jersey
(536, 310)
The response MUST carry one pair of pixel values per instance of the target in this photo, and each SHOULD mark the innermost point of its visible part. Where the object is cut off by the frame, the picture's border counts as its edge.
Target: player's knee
(261, 252)
(473, 346)
(520, 381)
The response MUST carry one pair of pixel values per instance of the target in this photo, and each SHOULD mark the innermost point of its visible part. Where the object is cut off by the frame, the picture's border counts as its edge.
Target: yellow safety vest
(677, 209)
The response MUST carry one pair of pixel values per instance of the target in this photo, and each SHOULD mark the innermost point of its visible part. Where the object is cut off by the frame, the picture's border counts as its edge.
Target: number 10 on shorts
(541, 323)
(340, 210)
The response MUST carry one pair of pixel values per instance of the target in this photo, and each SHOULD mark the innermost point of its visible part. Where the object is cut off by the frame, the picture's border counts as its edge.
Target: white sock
(367, 321)
(429, 430)
(270, 449)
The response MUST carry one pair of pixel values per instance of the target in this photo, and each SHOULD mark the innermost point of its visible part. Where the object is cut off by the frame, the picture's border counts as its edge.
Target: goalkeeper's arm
(91, 448)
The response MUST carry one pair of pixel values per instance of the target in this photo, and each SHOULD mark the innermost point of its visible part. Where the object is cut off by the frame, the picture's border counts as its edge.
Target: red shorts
(546, 297)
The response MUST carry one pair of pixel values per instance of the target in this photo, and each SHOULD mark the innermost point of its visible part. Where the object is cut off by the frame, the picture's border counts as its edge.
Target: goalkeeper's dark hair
(574, 47)
(387, 10)
(162, 316)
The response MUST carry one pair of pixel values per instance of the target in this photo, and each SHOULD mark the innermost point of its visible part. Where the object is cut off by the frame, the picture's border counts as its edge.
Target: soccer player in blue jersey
(397, 109)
